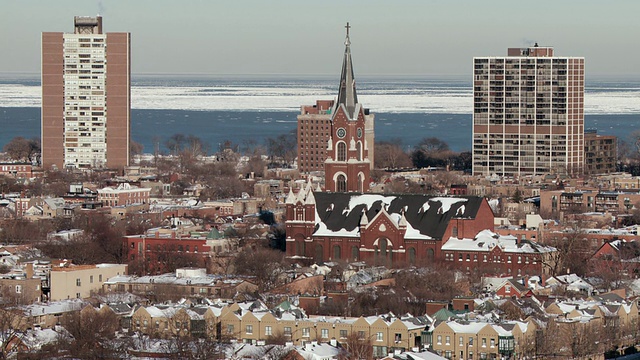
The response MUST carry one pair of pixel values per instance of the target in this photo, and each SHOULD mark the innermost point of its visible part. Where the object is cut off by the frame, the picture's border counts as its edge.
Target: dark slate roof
(333, 210)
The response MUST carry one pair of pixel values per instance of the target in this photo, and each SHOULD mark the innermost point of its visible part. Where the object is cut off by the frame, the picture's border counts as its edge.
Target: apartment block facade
(528, 113)
(86, 98)
(600, 153)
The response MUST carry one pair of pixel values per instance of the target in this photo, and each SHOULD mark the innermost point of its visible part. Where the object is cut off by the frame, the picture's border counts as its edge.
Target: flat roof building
(528, 113)
(86, 97)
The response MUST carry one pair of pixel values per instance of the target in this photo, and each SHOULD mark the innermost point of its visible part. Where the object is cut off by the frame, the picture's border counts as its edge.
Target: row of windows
(496, 258)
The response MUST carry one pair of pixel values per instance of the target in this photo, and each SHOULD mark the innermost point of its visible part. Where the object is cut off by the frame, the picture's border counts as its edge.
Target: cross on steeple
(347, 42)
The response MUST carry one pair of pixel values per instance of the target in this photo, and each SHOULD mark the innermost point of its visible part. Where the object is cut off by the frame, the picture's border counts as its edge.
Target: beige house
(479, 340)
(80, 281)
(255, 324)
(47, 315)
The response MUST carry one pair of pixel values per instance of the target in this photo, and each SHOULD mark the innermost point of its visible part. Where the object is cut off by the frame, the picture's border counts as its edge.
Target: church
(345, 222)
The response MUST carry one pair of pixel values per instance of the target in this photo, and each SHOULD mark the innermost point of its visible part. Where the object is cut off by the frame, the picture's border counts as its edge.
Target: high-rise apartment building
(86, 97)
(528, 113)
(314, 131)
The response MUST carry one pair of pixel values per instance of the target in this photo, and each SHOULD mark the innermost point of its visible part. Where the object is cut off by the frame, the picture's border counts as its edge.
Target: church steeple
(347, 93)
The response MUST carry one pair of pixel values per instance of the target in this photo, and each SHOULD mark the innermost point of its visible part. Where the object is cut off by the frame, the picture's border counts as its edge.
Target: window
(493, 343)
(360, 335)
(249, 329)
(519, 259)
(268, 331)
(470, 341)
(439, 339)
(305, 332)
(78, 283)
(178, 325)
(230, 329)
(91, 279)
(484, 258)
(447, 340)
(341, 183)
(484, 342)
(507, 288)
(447, 354)
(157, 324)
(343, 334)
(397, 337)
(100, 278)
(324, 333)
(287, 331)
(18, 289)
(461, 341)
(342, 151)
(379, 336)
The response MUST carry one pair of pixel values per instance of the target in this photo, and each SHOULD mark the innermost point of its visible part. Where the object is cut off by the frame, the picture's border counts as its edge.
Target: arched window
(430, 255)
(454, 232)
(359, 150)
(342, 151)
(341, 183)
(361, 182)
(354, 253)
(336, 252)
(412, 256)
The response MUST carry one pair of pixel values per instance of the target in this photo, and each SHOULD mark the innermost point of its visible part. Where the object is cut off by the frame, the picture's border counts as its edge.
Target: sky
(302, 37)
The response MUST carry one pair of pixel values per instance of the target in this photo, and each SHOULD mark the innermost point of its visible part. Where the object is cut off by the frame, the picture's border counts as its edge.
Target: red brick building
(491, 253)
(156, 249)
(314, 131)
(86, 97)
(408, 228)
(16, 170)
(384, 228)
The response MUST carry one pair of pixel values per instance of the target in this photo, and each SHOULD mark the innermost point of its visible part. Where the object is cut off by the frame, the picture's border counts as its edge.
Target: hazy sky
(392, 37)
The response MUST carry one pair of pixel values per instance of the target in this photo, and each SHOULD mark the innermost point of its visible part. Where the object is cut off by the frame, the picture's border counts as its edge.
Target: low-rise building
(124, 194)
(491, 253)
(184, 283)
(81, 281)
(16, 170)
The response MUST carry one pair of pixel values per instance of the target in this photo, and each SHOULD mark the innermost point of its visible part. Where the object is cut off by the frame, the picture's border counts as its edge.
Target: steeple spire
(347, 92)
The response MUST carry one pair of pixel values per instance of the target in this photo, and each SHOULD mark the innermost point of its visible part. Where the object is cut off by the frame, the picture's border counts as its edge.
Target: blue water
(243, 109)
(214, 127)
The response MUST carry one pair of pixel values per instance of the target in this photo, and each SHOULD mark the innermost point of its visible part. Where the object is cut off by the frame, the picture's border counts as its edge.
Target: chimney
(29, 270)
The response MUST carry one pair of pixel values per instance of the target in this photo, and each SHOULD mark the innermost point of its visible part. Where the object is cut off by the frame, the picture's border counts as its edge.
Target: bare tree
(91, 331)
(390, 155)
(265, 264)
(357, 347)
(21, 149)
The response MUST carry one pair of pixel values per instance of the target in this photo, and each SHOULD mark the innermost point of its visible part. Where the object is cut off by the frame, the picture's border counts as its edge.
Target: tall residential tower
(528, 113)
(86, 99)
